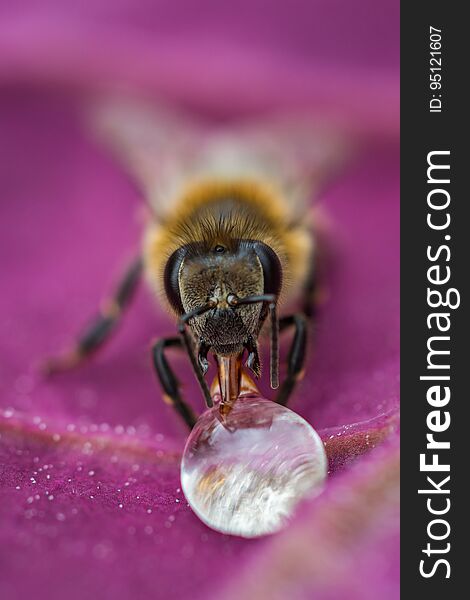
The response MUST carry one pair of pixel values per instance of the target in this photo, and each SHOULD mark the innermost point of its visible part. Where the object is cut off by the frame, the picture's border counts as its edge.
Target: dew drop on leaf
(245, 473)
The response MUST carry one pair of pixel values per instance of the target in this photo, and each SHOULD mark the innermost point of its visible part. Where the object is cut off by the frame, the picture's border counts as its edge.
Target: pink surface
(76, 447)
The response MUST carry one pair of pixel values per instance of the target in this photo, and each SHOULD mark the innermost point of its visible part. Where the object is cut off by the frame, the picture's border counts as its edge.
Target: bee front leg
(296, 356)
(102, 326)
(169, 381)
(312, 297)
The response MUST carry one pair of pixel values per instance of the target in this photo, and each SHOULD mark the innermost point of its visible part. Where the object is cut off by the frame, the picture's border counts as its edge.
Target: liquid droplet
(245, 473)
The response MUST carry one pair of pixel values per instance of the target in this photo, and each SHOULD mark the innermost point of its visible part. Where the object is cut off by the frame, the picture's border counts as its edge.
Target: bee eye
(170, 278)
(272, 269)
(219, 249)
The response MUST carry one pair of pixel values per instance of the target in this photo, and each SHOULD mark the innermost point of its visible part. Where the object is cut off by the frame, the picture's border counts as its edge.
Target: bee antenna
(188, 344)
(274, 358)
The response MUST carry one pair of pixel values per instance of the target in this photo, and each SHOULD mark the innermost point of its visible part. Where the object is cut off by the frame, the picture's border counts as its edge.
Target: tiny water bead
(244, 473)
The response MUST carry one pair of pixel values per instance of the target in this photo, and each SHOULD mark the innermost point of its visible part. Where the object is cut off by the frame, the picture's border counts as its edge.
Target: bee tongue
(231, 382)
(229, 373)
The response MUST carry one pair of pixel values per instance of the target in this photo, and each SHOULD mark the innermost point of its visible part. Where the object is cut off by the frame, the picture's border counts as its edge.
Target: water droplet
(236, 480)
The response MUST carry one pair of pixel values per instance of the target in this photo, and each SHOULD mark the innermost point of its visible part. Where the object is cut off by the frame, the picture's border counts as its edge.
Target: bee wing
(164, 150)
(296, 155)
(154, 144)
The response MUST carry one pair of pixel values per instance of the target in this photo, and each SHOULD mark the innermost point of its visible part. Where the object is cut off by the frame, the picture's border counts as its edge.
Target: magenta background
(69, 218)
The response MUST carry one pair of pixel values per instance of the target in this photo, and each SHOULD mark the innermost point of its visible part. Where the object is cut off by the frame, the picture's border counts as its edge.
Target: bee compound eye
(170, 279)
(272, 269)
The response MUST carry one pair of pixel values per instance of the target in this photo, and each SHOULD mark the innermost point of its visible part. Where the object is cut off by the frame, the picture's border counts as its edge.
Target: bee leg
(300, 321)
(296, 356)
(310, 292)
(168, 380)
(100, 329)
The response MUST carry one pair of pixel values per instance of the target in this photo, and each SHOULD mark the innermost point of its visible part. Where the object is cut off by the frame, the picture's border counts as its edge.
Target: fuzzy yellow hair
(255, 211)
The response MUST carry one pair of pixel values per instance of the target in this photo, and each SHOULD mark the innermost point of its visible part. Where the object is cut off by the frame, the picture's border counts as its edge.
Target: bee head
(220, 275)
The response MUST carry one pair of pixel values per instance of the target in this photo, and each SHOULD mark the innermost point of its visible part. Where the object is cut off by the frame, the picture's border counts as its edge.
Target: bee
(228, 245)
